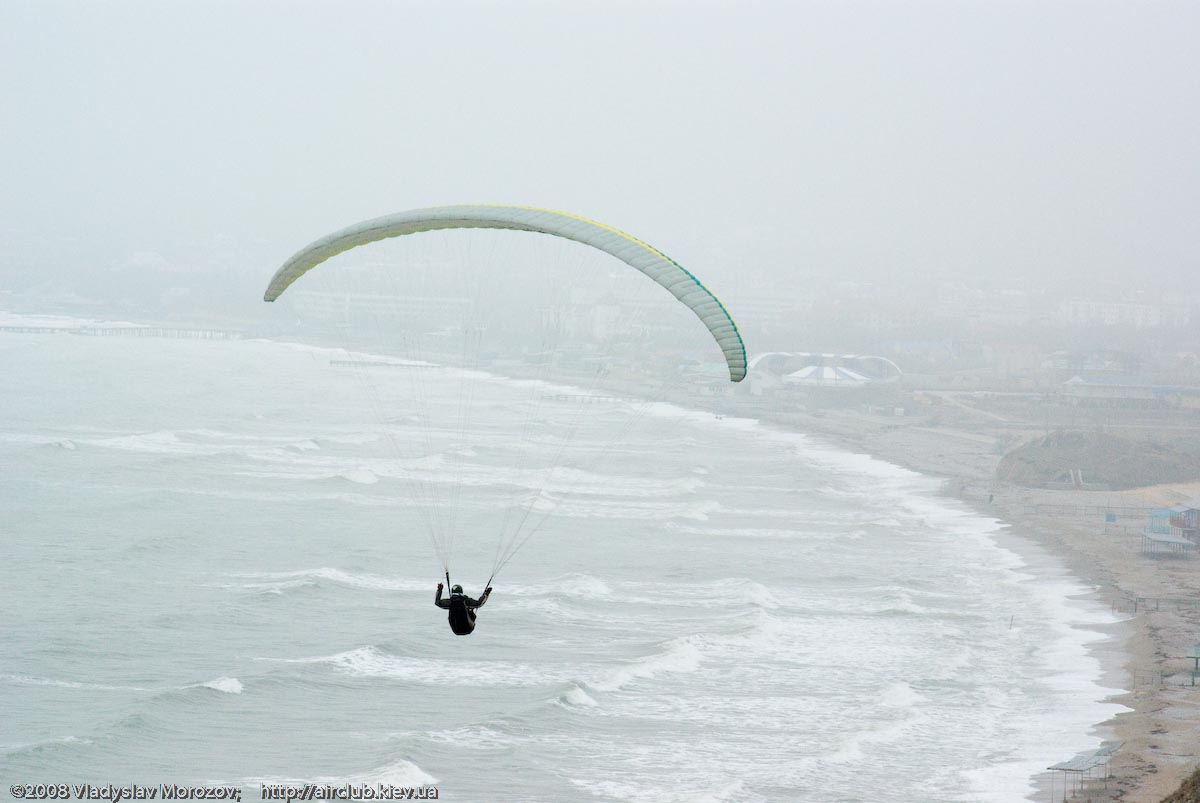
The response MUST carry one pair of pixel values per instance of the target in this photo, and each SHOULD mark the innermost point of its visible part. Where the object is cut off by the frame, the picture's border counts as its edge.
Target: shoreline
(1038, 563)
(1160, 730)
(1107, 678)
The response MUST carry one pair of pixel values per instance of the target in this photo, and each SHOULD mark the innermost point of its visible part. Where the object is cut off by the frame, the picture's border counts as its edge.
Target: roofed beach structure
(1080, 769)
(1166, 544)
(1119, 392)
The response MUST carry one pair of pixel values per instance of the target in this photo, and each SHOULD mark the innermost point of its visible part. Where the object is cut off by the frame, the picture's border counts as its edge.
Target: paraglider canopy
(511, 452)
(630, 250)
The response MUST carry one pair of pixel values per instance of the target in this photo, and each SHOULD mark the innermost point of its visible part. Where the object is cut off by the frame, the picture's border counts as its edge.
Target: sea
(219, 566)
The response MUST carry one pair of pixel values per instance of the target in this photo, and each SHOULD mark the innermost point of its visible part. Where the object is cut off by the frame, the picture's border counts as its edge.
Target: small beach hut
(1185, 520)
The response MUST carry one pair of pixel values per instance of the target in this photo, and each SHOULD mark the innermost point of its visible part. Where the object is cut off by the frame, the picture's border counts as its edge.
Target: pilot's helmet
(456, 589)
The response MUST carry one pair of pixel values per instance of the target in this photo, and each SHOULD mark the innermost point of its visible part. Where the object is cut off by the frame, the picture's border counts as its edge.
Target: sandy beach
(1159, 597)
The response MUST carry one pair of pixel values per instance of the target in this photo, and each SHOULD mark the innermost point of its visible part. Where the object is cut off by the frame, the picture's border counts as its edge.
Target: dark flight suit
(462, 610)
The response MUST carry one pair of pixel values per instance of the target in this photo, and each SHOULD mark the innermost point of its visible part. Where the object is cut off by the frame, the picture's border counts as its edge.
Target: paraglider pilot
(461, 607)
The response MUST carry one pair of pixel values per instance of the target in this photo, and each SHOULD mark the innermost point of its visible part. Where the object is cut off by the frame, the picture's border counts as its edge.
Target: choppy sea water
(214, 571)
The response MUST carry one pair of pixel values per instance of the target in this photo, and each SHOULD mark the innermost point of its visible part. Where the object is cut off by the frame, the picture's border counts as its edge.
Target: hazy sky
(746, 140)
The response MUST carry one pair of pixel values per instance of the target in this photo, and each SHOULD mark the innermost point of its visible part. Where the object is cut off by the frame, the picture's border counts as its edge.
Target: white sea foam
(237, 437)
(276, 587)
(584, 586)
(29, 438)
(731, 592)
(351, 439)
(699, 510)
(18, 747)
(741, 590)
(47, 321)
(361, 476)
(577, 697)
(473, 737)
(400, 773)
(397, 773)
(859, 745)
(680, 655)
(747, 532)
(457, 471)
(703, 418)
(900, 695)
(223, 684)
(159, 442)
(680, 792)
(371, 662)
(27, 680)
(202, 442)
(300, 577)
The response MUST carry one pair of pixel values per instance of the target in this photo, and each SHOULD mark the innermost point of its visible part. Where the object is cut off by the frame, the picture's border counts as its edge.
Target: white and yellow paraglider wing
(653, 263)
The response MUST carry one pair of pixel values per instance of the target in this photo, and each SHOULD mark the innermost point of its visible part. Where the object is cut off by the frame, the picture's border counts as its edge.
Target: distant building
(772, 370)
(1093, 362)
(1084, 312)
(1185, 520)
(1187, 399)
(1114, 391)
